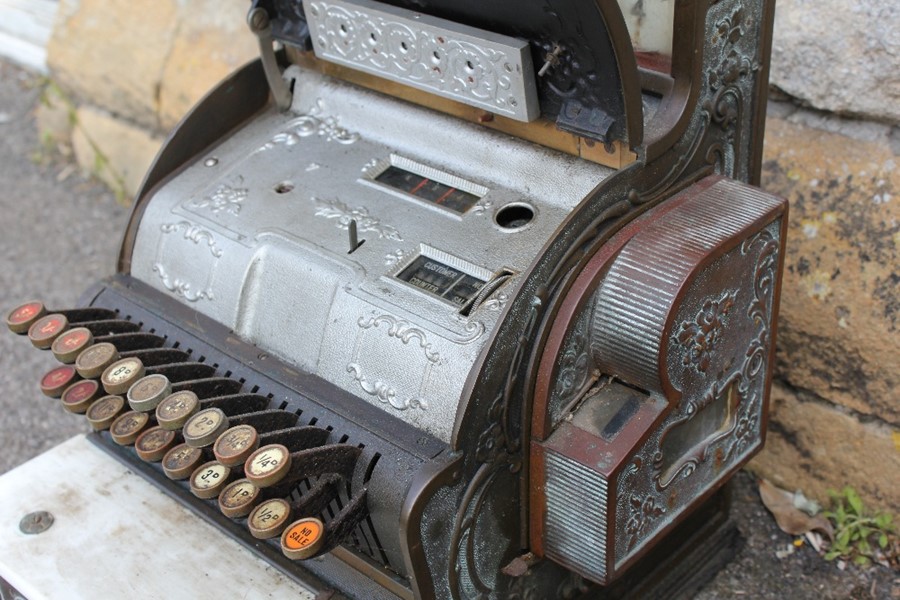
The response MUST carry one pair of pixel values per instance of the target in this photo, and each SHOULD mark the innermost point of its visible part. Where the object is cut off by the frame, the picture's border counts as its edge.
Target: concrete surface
(59, 233)
(57, 236)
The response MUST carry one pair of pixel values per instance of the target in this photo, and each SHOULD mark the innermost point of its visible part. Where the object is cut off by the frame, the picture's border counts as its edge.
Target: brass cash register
(448, 298)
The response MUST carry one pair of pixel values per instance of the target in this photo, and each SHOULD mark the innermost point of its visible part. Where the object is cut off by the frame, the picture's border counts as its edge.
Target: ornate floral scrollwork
(575, 364)
(310, 124)
(393, 258)
(194, 233)
(224, 198)
(643, 512)
(725, 107)
(383, 390)
(180, 287)
(404, 332)
(703, 334)
(335, 209)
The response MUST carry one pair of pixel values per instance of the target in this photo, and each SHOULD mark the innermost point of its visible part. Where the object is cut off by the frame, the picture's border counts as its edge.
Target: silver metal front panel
(255, 235)
(479, 68)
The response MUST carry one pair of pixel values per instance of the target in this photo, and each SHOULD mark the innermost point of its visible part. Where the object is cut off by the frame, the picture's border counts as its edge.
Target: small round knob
(80, 395)
(268, 465)
(146, 393)
(269, 518)
(234, 446)
(303, 538)
(153, 443)
(46, 329)
(180, 461)
(208, 479)
(126, 428)
(93, 360)
(174, 411)
(104, 411)
(23, 316)
(56, 380)
(203, 428)
(238, 498)
(71, 343)
(118, 377)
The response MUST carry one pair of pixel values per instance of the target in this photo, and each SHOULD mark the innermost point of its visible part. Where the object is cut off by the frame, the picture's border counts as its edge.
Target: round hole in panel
(284, 187)
(515, 216)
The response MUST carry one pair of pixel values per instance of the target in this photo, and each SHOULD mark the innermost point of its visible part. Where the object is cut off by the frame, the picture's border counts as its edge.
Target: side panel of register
(679, 320)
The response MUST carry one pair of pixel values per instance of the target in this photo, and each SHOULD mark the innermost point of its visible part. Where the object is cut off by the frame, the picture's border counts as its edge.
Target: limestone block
(212, 41)
(838, 328)
(113, 52)
(812, 446)
(54, 117)
(116, 152)
(839, 56)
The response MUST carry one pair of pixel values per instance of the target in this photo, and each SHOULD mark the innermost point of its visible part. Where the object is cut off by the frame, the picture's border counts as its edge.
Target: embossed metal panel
(258, 239)
(479, 68)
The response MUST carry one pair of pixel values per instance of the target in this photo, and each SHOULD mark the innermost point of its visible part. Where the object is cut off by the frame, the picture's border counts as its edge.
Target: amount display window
(435, 187)
(441, 280)
(428, 189)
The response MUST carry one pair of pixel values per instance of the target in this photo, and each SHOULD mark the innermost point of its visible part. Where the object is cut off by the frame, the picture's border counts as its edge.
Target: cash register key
(174, 411)
(93, 360)
(118, 377)
(153, 444)
(268, 465)
(234, 446)
(69, 345)
(146, 393)
(180, 461)
(303, 538)
(269, 518)
(46, 329)
(104, 411)
(238, 498)
(203, 428)
(128, 426)
(80, 395)
(208, 479)
(56, 380)
(23, 316)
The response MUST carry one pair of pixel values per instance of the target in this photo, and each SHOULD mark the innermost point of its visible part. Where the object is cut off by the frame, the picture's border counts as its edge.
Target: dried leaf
(789, 518)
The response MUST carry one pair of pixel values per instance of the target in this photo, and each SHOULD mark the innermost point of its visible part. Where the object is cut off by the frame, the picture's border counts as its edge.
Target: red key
(21, 317)
(55, 381)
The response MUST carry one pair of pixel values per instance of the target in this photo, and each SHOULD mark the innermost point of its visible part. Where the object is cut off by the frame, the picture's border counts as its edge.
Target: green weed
(859, 537)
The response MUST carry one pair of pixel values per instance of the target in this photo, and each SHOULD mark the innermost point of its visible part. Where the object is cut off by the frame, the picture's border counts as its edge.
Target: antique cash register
(446, 298)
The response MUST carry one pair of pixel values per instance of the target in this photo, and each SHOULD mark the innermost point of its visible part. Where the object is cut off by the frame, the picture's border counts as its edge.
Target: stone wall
(134, 67)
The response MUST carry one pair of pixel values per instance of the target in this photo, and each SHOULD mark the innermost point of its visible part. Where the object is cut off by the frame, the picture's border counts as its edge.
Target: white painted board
(117, 536)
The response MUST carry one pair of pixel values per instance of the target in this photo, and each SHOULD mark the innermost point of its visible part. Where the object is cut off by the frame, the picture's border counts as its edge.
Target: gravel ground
(57, 236)
(60, 233)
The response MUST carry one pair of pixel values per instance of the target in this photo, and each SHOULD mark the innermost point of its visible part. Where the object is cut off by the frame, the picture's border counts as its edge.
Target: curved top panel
(590, 85)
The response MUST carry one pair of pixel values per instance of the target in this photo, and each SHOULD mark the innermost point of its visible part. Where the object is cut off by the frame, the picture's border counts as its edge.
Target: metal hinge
(261, 26)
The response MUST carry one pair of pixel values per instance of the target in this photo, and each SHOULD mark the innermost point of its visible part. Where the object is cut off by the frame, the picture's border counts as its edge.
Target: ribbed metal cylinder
(632, 306)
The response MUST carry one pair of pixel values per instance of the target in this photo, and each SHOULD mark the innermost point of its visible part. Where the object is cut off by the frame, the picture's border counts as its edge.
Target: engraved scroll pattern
(224, 198)
(335, 209)
(313, 123)
(384, 391)
(181, 286)
(703, 333)
(439, 62)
